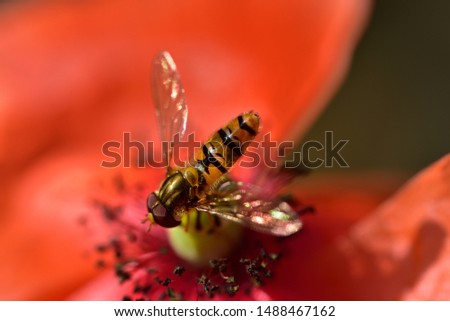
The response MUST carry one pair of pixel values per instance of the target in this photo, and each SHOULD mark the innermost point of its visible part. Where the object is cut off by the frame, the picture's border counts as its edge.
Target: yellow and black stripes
(211, 222)
(245, 126)
(224, 148)
(211, 158)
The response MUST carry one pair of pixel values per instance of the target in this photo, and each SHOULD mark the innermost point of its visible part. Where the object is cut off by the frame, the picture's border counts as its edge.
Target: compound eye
(152, 200)
(155, 207)
(160, 213)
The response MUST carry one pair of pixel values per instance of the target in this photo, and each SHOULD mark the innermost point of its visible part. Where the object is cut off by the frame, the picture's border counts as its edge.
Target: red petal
(107, 287)
(47, 249)
(78, 73)
(400, 251)
(339, 202)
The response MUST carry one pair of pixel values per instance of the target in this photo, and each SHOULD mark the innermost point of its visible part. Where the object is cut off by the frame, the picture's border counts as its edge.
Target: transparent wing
(245, 205)
(170, 102)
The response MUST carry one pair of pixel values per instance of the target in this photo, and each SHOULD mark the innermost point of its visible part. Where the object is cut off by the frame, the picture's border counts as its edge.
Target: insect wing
(242, 204)
(170, 103)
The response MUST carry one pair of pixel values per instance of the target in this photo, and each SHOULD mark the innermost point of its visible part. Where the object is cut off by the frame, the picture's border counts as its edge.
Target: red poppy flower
(77, 75)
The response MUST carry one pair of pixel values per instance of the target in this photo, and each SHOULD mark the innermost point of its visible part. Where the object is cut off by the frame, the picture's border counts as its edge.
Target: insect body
(181, 188)
(222, 150)
(203, 183)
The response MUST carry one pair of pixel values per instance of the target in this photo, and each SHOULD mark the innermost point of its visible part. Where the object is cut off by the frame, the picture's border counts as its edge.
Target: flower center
(202, 237)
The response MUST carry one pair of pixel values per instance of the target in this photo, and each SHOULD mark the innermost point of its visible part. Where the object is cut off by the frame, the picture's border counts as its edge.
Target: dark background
(394, 105)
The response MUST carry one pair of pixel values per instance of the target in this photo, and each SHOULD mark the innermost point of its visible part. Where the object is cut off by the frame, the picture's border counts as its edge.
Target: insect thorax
(176, 190)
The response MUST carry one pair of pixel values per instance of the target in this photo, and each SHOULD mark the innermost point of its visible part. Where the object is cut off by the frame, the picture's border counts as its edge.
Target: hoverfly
(203, 184)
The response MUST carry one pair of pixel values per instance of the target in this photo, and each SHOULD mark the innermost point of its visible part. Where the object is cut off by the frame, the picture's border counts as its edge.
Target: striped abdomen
(219, 153)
